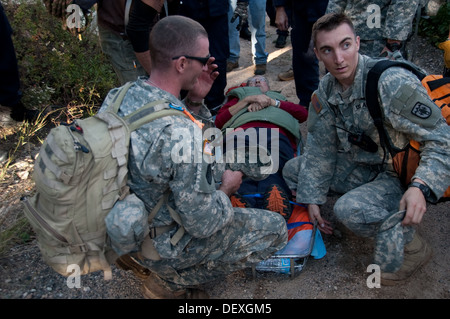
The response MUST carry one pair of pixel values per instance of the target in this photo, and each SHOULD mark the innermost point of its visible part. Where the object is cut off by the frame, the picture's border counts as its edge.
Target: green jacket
(269, 114)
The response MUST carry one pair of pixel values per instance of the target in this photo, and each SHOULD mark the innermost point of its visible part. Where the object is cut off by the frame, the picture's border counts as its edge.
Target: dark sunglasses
(199, 59)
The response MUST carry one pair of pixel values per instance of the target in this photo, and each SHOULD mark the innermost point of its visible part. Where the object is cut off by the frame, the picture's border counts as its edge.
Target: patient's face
(259, 81)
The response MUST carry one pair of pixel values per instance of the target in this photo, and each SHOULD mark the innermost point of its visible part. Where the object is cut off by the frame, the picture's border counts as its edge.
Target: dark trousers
(219, 47)
(304, 61)
(9, 74)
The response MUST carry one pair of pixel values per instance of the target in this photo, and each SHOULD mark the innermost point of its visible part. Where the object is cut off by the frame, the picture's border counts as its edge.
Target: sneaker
(286, 76)
(238, 201)
(232, 65)
(260, 69)
(155, 288)
(276, 200)
(126, 262)
(281, 41)
(416, 254)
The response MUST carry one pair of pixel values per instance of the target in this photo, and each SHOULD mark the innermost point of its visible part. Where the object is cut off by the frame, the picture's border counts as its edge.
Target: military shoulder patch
(316, 103)
(421, 110)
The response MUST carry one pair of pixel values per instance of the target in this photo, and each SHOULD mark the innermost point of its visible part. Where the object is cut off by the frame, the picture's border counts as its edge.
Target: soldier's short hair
(174, 36)
(330, 22)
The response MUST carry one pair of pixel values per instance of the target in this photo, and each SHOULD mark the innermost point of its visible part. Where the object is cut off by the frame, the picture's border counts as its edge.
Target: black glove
(241, 12)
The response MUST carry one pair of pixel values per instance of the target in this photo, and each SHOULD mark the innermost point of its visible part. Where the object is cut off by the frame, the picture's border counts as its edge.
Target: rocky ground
(342, 273)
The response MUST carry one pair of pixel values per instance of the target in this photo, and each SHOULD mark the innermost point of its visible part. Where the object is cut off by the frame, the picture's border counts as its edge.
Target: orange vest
(438, 89)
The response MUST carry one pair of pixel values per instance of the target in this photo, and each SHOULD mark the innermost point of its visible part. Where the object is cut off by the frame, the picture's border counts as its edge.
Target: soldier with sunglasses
(196, 235)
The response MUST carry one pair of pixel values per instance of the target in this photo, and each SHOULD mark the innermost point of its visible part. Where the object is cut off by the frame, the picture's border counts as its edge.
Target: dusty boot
(232, 65)
(126, 262)
(417, 253)
(155, 288)
(286, 76)
(260, 69)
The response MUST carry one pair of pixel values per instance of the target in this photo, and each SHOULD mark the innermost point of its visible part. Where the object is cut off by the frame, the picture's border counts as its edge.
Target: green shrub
(55, 66)
(436, 28)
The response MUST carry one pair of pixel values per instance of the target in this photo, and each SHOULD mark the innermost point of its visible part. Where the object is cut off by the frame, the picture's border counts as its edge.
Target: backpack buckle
(79, 248)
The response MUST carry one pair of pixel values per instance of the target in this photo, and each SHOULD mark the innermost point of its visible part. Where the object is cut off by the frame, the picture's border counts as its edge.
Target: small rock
(23, 175)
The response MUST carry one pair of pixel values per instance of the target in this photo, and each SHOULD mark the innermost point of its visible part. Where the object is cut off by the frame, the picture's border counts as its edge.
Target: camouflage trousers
(368, 207)
(252, 236)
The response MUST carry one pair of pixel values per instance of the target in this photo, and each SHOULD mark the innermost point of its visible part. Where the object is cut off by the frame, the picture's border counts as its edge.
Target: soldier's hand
(205, 81)
(240, 12)
(231, 181)
(323, 224)
(281, 19)
(391, 47)
(415, 205)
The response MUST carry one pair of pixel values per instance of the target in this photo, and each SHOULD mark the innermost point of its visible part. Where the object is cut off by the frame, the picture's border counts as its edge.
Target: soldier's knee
(290, 172)
(345, 209)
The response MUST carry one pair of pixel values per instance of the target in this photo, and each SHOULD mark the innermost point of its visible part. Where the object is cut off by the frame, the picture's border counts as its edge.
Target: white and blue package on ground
(304, 240)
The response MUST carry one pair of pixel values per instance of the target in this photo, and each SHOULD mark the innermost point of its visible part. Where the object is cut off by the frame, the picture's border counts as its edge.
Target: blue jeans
(257, 23)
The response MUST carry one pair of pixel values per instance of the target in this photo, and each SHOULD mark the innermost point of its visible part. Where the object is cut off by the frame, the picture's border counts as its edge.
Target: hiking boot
(245, 34)
(20, 113)
(276, 200)
(281, 41)
(155, 288)
(260, 69)
(238, 201)
(416, 254)
(126, 262)
(232, 65)
(17, 113)
(286, 76)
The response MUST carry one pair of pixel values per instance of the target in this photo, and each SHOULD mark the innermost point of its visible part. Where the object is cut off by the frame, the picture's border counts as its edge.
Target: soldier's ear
(317, 54)
(180, 63)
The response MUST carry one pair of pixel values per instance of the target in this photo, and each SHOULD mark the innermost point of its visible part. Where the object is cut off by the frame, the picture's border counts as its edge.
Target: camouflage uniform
(372, 191)
(396, 17)
(218, 238)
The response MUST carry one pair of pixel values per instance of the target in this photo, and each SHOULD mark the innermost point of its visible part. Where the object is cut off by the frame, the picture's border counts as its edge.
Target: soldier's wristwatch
(424, 188)
(393, 45)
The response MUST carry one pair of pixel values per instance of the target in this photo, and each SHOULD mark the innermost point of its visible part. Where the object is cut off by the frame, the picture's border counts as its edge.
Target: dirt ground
(340, 274)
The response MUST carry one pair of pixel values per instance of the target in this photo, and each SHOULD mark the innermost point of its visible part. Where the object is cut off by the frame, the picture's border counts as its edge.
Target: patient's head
(259, 81)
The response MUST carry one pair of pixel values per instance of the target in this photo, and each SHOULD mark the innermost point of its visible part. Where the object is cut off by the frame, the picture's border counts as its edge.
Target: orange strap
(182, 109)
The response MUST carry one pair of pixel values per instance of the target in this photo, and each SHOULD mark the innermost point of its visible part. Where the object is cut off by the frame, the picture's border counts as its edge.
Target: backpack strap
(372, 102)
(149, 112)
(163, 201)
(118, 98)
(148, 250)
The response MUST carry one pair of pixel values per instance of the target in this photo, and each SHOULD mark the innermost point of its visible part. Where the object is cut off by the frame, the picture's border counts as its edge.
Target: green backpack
(80, 173)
